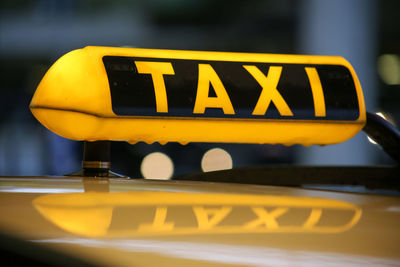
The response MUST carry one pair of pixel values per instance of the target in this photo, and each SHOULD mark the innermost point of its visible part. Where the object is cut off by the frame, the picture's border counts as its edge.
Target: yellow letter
(317, 92)
(313, 219)
(159, 223)
(157, 70)
(204, 221)
(207, 75)
(266, 218)
(269, 92)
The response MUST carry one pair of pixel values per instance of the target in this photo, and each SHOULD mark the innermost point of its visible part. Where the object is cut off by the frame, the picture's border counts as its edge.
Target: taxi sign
(126, 94)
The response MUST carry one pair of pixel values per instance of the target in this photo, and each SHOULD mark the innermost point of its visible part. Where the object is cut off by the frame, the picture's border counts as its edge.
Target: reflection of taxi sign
(175, 213)
(101, 93)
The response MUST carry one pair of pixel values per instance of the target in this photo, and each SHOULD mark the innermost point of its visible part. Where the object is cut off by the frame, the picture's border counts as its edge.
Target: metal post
(96, 159)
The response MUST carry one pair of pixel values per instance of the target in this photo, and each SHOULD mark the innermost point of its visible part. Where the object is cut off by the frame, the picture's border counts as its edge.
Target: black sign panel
(133, 93)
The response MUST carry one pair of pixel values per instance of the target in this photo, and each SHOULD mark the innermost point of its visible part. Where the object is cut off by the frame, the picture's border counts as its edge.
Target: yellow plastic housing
(74, 101)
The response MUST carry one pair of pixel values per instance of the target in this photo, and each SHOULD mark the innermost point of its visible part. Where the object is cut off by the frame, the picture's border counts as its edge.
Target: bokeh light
(158, 166)
(216, 159)
(389, 68)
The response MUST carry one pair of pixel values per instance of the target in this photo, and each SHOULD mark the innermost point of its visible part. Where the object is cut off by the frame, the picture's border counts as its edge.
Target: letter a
(217, 215)
(207, 76)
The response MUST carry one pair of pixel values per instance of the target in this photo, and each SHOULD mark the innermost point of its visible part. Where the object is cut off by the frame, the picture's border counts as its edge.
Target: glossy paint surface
(124, 222)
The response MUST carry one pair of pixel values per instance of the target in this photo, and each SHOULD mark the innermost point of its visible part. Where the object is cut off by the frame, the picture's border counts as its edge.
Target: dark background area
(34, 34)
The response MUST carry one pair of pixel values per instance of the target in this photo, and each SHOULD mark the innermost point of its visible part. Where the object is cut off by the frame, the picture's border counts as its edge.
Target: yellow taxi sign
(126, 94)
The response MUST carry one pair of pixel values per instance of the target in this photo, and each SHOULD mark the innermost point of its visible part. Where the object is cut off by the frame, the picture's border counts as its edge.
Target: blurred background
(34, 34)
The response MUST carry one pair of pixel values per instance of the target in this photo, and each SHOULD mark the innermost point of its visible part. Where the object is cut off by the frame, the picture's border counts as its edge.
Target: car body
(123, 222)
